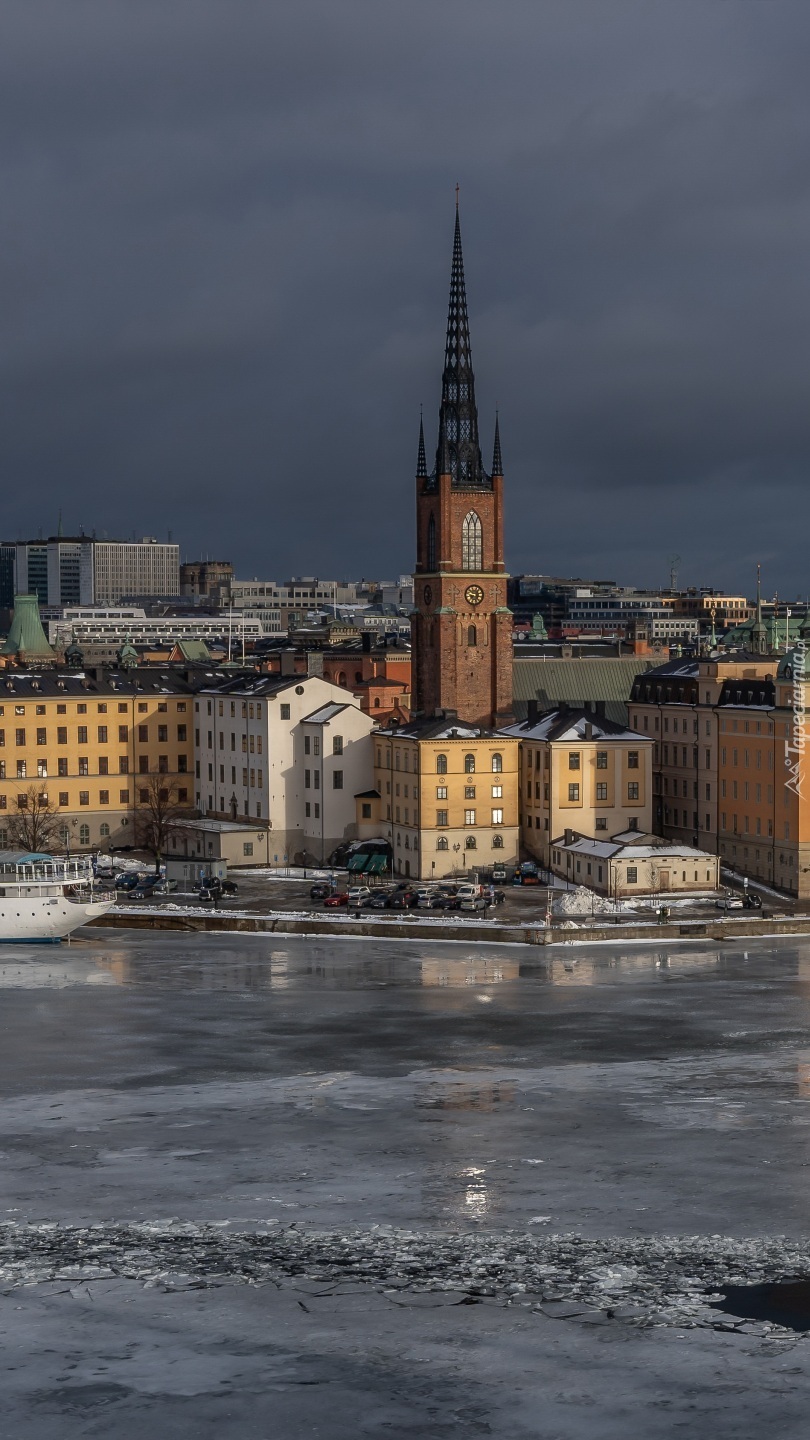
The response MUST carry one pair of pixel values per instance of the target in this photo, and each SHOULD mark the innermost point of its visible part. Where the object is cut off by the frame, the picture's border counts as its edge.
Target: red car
(332, 901)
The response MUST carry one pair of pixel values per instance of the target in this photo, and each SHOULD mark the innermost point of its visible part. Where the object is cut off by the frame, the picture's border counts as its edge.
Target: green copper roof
(26, 636)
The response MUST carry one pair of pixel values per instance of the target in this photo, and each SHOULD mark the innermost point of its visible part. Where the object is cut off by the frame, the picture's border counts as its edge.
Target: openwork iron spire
(459, 453)
(497, 463)
(421, 462)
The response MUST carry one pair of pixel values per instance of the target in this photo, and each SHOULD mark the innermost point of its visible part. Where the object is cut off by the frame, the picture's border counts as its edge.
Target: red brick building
(462, 626)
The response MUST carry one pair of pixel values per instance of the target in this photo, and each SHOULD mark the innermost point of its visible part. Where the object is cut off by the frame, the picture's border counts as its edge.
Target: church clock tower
(462, 627)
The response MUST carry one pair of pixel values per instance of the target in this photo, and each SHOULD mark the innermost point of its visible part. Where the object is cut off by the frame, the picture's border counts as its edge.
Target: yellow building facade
(580, 772)
(91, 743)
(448, 797)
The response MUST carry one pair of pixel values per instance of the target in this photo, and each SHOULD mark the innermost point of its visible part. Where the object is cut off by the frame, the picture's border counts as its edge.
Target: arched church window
(471, 544)
(472, 636)
(441, 764)
(431, 544)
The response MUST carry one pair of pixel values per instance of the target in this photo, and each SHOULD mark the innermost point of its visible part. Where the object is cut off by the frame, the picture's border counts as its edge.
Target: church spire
(497, 463)
(421, 462)
(759, 634)
(459, 453)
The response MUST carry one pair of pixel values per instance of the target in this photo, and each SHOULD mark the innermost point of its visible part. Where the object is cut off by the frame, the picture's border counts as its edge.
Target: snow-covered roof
(325, 714)
(566, 724)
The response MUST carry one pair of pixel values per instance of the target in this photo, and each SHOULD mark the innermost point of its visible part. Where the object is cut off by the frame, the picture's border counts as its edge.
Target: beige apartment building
(91, 742)
(583, 773)
(676, 705)
(446, 796)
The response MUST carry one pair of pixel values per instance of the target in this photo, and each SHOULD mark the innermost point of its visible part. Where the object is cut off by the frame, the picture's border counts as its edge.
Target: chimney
(588, 730)
(570, 836)
(287, 662)
(531, 714)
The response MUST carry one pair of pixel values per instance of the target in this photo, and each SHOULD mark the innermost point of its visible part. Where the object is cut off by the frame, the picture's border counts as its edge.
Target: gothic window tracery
(471, 542)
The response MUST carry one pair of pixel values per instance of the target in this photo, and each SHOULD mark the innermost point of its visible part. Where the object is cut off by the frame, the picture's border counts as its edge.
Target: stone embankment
(446, 929)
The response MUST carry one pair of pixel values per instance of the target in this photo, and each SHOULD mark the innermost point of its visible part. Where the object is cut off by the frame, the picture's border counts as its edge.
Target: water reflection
(463, 1093)
(51, 973)
(469, 970)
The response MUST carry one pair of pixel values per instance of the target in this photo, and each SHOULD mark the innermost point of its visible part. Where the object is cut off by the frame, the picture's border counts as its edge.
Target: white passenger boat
(45, 899)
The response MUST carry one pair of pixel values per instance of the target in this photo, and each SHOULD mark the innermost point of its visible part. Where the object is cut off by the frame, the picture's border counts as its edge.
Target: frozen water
(290, 1188)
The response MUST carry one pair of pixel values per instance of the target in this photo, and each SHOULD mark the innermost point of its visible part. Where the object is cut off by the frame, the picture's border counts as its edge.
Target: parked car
(332, 901)
(473, 902)
(358, 895)
(425, 898)
(208, 894)
(128, 880)
(402, 900)
(378, 900)
(166, 887)
(229, 887)
(496, 897)
(320, 890)
(752, 901)
(729, 902)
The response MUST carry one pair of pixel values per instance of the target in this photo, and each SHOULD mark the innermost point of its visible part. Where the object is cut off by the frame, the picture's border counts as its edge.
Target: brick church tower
(462, 627)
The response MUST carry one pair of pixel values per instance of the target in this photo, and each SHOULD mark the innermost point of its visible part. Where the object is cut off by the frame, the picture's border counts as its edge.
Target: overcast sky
(226, 242)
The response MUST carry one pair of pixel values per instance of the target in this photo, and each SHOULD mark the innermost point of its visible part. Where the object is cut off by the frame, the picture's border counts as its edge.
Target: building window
(247, 848)
(497, 817)
(573, 760)
(84, 765)
(632, 875)
(123, 797)
(284, 711)
(469, 843)
(601, 790)
(471, 543)
(307, 808)
(441, 792)
(42, 737)
(441, 817)
(103, 765)
(497, 764)
(469, 764)
(469, 817)
(601, 822)
(337, 744)
(337, 780)
(497, 842)
(469, 792)
(366, 810)
(573, 792)
(61, 735)
(103, 797)
(84, 797)
(497, 792)
(632, 759)
(632, 790)
(441, 764)
(64, 798)
(601, 760)
(84, 834)
(431, 544)
(62, 766)
(472, 636)
(442, 843)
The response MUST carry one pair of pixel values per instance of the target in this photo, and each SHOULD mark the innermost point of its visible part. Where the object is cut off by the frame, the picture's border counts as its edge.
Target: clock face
(473, 594)
(428, 593)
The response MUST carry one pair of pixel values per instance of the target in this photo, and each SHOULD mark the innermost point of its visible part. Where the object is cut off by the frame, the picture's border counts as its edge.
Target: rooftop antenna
(674, 561)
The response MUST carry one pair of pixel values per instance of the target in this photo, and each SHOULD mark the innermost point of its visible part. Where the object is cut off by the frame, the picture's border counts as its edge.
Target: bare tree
(35, 825)
(156, 810)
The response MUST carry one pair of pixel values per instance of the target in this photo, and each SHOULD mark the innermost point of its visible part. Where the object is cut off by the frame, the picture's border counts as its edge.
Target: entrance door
(664, 879)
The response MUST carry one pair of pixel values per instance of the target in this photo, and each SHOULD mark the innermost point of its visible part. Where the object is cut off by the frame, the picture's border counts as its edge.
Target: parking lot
(263, 893)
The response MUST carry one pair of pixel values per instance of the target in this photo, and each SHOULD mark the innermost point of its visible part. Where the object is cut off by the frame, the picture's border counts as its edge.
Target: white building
(290, 752)
(114, 624)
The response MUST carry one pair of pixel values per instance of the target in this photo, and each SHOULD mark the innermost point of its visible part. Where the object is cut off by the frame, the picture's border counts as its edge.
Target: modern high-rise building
(80, 570)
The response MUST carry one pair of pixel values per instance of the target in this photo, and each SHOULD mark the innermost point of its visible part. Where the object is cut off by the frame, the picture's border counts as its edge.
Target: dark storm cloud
(226, 235)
